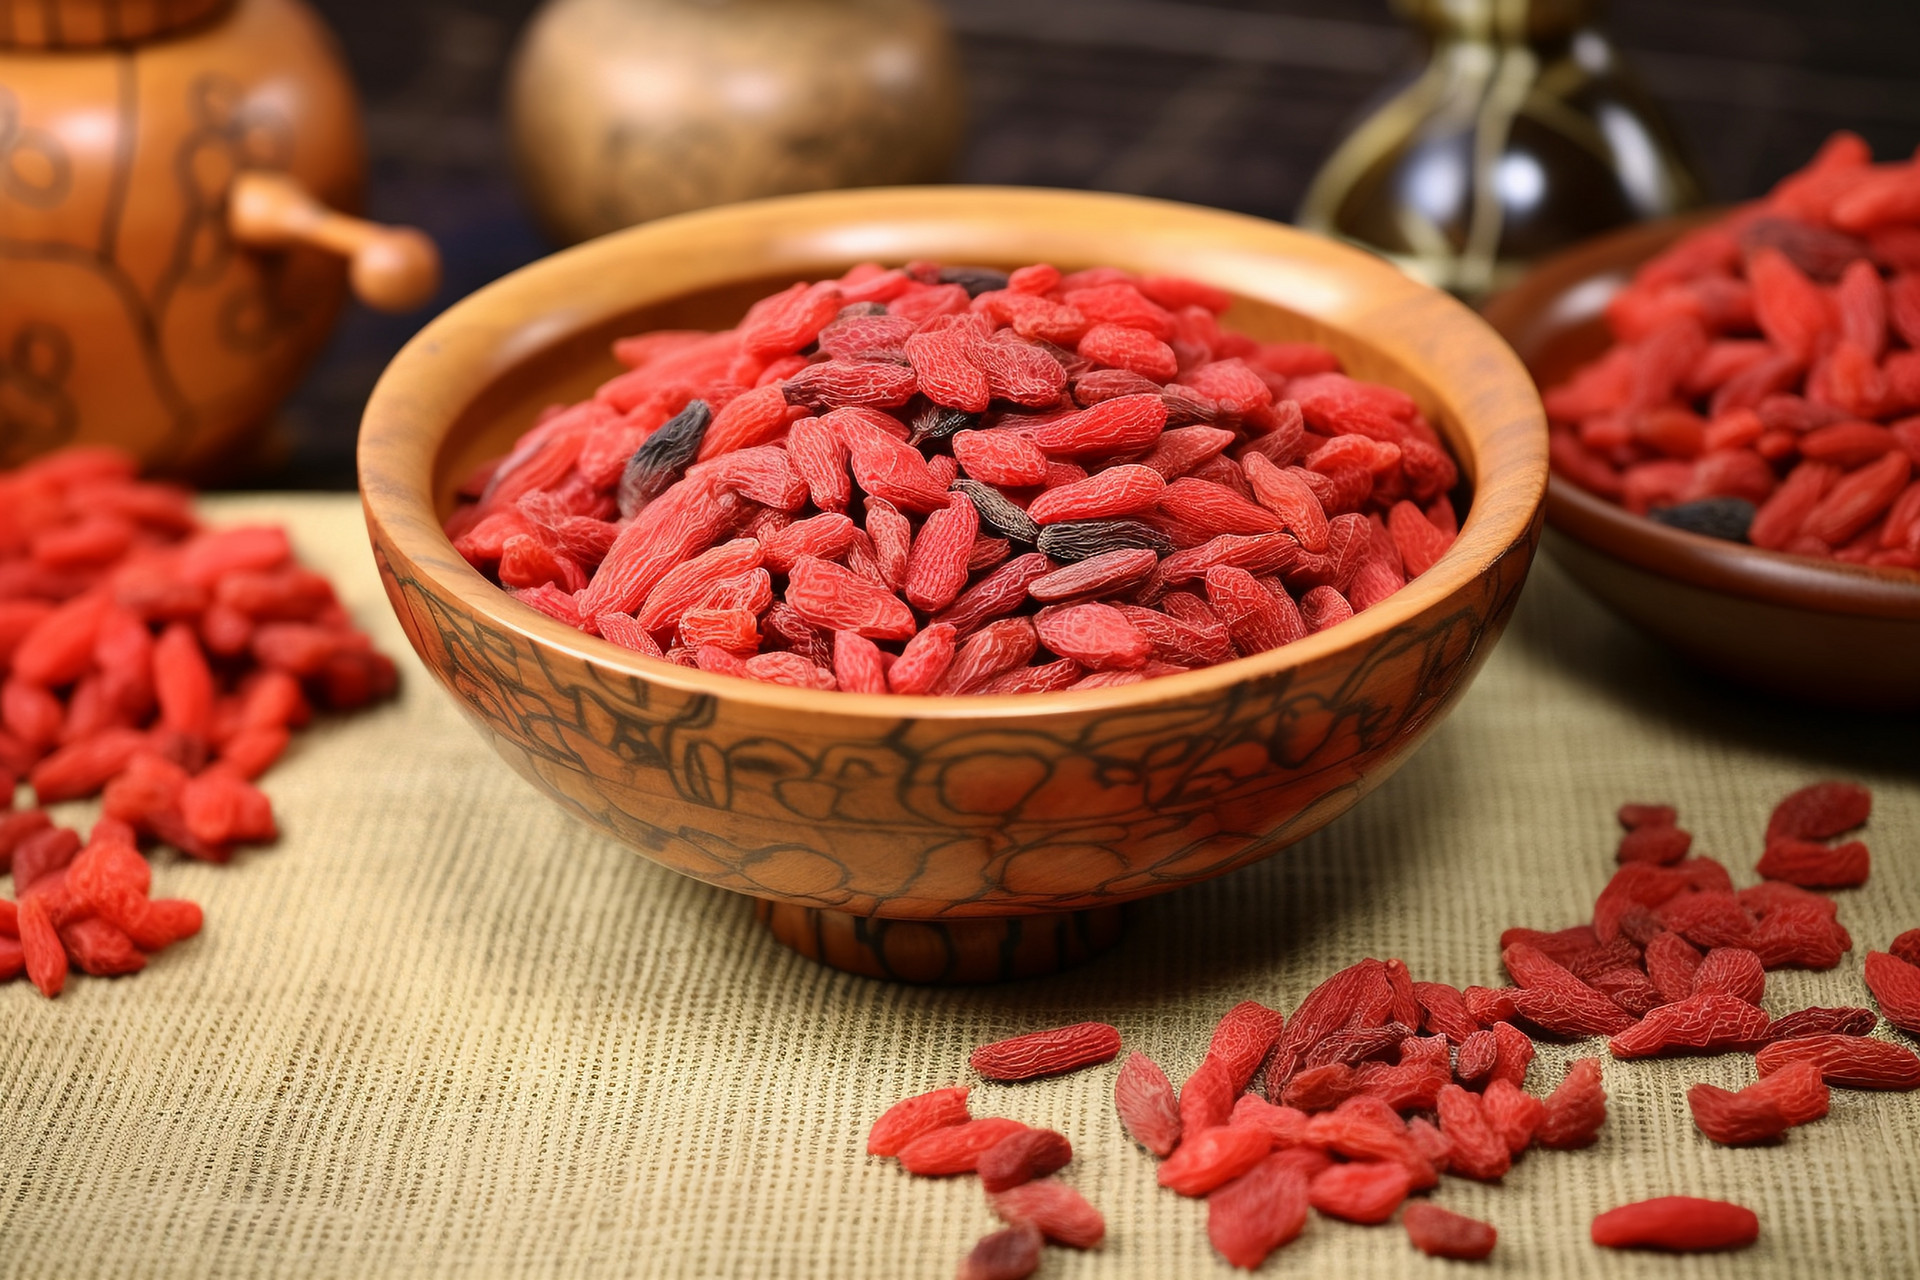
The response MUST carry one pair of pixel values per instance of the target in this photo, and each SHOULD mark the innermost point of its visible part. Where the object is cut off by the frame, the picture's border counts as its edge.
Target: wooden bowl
(1812, 630)
(945, 839)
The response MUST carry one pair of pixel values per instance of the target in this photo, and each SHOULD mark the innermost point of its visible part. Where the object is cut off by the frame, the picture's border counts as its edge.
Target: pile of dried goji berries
(957, 480)
(160, 666)
(1764, 385)
(1377, 1084)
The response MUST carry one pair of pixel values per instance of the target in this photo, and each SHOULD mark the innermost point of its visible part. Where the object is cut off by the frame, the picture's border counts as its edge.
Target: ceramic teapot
(170, 254)
(625, 110)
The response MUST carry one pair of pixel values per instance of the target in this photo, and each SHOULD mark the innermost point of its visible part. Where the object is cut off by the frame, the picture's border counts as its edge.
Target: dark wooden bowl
(1812, 630)
(944, 839)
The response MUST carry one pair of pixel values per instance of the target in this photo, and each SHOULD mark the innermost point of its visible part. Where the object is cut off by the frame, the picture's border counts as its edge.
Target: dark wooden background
(1222, 102)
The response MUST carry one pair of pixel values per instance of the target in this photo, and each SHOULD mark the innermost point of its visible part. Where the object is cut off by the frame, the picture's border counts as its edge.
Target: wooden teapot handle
(391, 268)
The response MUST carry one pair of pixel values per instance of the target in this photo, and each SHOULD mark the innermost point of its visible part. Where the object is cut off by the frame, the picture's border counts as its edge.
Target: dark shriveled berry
(1075, 540)
(995, 510)
(975, 280)
(937, 422)
(656, 464)
(1725, 518)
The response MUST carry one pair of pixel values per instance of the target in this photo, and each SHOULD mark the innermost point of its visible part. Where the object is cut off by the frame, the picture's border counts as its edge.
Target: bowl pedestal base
(980, 949)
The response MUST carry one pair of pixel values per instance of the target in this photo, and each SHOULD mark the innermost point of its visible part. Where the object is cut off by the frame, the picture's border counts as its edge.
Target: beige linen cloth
(440, 1029)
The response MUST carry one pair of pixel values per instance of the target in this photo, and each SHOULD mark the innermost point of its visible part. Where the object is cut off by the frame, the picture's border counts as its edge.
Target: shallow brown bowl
(1812, 630)
(945, 838)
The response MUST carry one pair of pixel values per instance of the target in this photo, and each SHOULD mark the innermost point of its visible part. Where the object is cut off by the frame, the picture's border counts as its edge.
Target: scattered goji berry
(954, 1148)
(909, 1118)
(1206, 1159)
(1022, 1157)
(1682, 1224)
(1853, 1062)
(1060, 1213)
(1047, 1053)
(1012, 1254)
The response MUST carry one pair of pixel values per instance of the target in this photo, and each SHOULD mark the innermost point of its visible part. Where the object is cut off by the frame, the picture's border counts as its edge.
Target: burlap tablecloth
(440, 1028)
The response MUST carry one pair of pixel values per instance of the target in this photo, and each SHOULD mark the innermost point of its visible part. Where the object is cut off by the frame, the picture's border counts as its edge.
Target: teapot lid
(86, 24)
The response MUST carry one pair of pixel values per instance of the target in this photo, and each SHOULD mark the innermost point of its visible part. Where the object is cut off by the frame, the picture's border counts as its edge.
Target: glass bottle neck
(1500, 21)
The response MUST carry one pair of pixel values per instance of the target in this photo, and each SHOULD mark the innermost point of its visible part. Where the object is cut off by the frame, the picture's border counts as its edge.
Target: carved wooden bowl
(945, 839)
(1811, 630)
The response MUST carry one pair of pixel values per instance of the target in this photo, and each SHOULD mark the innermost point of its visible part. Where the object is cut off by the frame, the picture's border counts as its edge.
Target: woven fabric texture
(440, 1029)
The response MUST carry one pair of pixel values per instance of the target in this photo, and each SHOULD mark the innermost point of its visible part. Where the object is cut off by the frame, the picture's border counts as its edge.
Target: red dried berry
(1796, 1089)
(909, 1118)
(1708, 1022)
(1144, 1098)
(1365, 1192)
(1735, 1119)
(1095, 635)
(1576, 1110)
(1853, 1062)
(1514, 1113)
(1734, 971)
(1811, 864)
(1046, 1053)
(1633, 815)
(944, 373)
(1022, 1157)
(1441, 1233)
(1895, 984)
(955, 1148)
(1060, 1213)
(1012, 1254)
(1555, 999)
(995, 648)
(1258, 1212)
(1683, 1224)
(1843, 1021)
(828, 596)
(1906, 946)
(1242, 1039)
(1663, 845)
(1478, 1150)
(45, 959)
(1211, 1157)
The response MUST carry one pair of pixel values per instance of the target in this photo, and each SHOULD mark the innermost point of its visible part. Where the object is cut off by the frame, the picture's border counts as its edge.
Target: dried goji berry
(1477, 1149)
(1022, 1157)
(1576, 1110)
(1093, 634)
(46, 959)
(1821, 810)
(1707, 1022)
(1206, 1099)
(1660, 843)
(1365, 1192)
(1012, 1254)
(954, 1148)
(1683, 1224)
(1144, 1098)
(1733, 970)
(1211, 1157)
(1046, 1053)
(1441, 1233)
(1895, 984)
(1258, 1212)
(1060, 1213)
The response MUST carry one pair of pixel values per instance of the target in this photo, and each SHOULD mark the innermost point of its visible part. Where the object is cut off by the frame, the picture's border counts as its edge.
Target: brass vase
(1522, 134)
(621, 111)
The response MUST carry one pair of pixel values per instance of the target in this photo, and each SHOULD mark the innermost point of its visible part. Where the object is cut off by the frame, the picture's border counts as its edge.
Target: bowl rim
(1588, 273)
(1501, 439)
(1731, 568)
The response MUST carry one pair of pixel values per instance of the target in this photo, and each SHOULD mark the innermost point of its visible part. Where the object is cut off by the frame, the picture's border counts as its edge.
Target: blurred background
(1231, 103)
